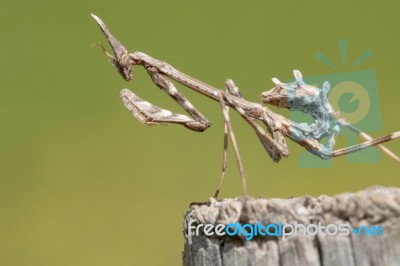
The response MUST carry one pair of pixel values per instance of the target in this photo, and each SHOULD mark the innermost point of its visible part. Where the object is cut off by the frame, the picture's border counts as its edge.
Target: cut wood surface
(375, 210)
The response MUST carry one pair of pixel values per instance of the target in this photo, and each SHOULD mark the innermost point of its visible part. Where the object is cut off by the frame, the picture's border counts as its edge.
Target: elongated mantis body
(297, 96)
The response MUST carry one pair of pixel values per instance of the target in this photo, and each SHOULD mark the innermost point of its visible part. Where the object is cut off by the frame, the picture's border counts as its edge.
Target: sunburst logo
(349, 97)
(354, 93)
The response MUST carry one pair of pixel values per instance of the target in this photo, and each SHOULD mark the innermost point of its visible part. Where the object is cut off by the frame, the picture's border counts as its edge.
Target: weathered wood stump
(372, 218)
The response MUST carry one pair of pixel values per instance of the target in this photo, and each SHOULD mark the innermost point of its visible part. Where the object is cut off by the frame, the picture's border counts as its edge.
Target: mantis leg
(150, 114)
(369, 141)
(228, 130)
(275, 146)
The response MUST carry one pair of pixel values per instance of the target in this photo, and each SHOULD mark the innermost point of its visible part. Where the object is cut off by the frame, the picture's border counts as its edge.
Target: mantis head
(121, 59)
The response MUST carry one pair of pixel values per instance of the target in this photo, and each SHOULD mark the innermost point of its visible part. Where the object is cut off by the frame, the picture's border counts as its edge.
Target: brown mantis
(297, 96)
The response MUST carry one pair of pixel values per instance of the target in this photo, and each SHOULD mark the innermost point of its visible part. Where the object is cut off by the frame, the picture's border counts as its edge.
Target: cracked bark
(371, 207)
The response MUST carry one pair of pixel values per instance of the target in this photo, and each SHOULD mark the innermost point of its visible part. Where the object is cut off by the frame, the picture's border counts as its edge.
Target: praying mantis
(296, 96)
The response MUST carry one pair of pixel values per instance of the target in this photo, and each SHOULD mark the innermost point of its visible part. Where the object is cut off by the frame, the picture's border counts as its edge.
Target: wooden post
(376, 206)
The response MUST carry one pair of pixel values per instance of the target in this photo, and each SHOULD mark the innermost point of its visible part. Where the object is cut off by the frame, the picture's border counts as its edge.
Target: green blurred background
(83, 183)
